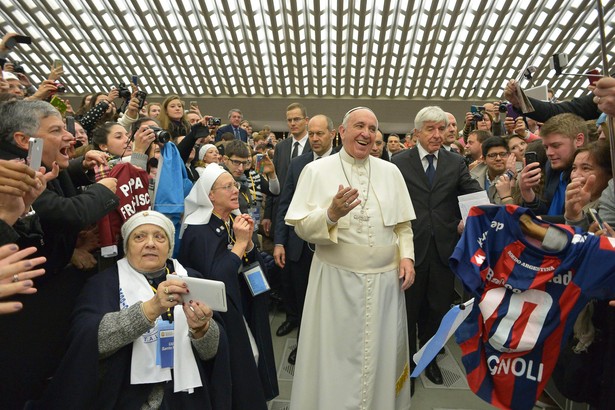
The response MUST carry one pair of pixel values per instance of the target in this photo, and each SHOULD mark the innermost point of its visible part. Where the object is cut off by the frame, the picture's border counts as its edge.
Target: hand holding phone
(530, 157)
(596, 217)
(35, 153)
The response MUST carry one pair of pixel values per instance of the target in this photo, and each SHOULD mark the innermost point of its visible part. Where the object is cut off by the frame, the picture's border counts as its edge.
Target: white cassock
(353, 345)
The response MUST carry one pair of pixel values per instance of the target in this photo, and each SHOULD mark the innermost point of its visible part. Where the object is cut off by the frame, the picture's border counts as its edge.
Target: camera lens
(162, 136)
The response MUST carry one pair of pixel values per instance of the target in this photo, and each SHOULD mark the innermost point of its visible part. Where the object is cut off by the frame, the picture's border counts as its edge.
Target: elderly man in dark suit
(434, 177)
(285, 151)
(292, 253)
(234, 117)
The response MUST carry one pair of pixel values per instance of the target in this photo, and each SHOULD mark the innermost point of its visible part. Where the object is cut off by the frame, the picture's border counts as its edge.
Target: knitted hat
(204, 150)
(153, 218)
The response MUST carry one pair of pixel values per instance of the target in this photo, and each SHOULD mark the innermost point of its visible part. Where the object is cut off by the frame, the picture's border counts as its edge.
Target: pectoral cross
(361, 217)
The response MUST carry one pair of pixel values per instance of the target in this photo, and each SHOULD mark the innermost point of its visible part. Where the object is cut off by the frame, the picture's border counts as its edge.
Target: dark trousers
(429, 298)
(294, 282)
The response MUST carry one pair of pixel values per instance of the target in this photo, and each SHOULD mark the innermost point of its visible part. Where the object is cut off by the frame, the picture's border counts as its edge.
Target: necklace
(362, 217)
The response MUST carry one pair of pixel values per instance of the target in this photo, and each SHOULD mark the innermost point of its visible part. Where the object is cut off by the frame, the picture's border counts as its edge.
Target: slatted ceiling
(390, 49)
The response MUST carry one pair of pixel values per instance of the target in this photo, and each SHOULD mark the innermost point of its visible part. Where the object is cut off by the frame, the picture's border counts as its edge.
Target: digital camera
(213, 121)
(162, 136)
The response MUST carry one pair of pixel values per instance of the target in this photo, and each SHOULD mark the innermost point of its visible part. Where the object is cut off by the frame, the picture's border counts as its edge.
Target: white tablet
(211, 292)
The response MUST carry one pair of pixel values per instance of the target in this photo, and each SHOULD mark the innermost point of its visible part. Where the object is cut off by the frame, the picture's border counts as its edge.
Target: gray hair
(430, 113)
(232, 110)
(345, 119)
(23, 116)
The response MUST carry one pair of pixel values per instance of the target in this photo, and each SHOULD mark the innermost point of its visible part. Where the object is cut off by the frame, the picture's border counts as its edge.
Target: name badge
(255, 278)
(164, 352)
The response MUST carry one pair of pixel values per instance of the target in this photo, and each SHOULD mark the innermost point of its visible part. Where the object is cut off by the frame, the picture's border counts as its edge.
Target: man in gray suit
(293, 146)
(434, 177)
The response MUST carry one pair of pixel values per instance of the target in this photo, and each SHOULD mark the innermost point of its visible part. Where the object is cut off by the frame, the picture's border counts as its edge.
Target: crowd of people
(350, 228)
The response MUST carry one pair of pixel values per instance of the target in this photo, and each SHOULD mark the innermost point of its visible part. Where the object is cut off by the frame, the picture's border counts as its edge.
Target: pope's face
(360, 133)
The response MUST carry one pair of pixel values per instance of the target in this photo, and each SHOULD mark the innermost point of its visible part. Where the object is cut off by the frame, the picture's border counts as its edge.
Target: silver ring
(203, 318)
(166, 290)
(171, 298)
(16, 277)
(346, 204)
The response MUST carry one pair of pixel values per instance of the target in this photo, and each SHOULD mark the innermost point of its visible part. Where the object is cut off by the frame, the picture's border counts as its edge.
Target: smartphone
(194, 104)
(593, 76)
(530, 157)
(13, 41)
(510, 112)
(59, 104)
(70, 125)
(57, 63)
(135, 80)
(35, 153)
(596, 217)
(259, 163)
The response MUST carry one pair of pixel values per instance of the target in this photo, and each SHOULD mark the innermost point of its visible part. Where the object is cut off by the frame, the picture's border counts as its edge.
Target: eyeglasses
(296, 119)
(239, 163)
(493, 155)
(229, 187)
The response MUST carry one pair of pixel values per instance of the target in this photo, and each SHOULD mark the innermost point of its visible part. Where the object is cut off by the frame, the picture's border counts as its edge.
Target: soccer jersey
(529, 299)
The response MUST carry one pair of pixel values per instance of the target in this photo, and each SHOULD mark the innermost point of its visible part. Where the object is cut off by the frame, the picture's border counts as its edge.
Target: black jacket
(38, 332)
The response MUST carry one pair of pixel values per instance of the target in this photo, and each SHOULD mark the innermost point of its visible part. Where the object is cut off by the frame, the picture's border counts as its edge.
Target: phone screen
(59, 104)
(135, 80)
(259, 163)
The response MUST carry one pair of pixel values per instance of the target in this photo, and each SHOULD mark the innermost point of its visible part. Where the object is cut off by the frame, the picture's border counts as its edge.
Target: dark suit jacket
(284, 234)
(229, 128)
(281, 161)
(436, 207)
(582, 106)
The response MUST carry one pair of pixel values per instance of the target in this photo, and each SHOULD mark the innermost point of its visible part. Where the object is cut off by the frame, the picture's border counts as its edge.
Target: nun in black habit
(217, 241)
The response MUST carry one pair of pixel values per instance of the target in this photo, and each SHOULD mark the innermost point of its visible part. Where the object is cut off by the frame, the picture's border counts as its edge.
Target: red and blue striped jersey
(529, 299)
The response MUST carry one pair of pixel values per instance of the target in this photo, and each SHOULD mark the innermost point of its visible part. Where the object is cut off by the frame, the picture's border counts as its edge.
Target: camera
(124, 92)
(503, 107)
(18, 68)
(213, 121)
(477, 112)
(141, 95)
(162, 136)
(60, 88)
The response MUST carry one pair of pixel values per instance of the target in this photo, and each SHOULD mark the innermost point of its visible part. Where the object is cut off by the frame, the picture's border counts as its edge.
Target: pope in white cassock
(353, 348)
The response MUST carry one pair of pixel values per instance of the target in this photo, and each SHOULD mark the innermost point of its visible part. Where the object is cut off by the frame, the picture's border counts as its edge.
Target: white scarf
(134, 288)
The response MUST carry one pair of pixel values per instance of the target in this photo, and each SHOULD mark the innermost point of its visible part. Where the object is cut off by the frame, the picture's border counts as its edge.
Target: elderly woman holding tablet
(138, 339)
